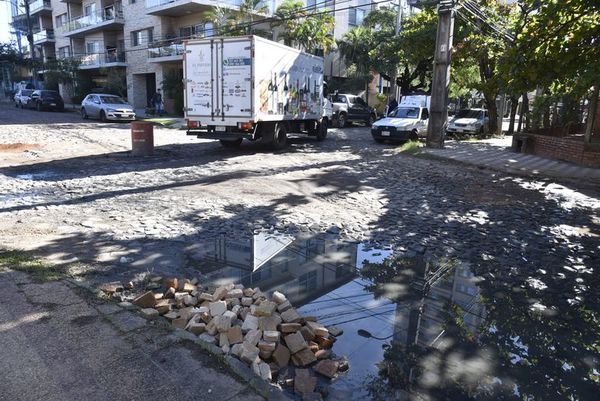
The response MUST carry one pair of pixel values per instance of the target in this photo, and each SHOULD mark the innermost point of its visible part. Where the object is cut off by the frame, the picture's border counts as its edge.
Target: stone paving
(105, 207)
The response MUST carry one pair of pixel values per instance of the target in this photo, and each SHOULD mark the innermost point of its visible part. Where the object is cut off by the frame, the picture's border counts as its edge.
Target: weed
(23, 261)
(410, 147)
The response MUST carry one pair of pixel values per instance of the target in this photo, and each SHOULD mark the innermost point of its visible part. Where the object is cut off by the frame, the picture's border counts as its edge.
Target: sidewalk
(60, 344)
(496, 154)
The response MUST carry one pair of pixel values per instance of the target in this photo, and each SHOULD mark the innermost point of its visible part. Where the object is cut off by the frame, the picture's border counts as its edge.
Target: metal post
(438, 114)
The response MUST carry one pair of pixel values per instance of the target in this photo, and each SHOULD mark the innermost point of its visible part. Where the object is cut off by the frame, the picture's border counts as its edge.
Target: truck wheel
(279, 138)
(231, 144)
(322, 130)
(342, 120)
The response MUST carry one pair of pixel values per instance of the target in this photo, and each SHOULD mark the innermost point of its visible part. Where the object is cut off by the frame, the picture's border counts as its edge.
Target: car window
(339, 99)
(112, 100)
(468, 113)
(406, 112)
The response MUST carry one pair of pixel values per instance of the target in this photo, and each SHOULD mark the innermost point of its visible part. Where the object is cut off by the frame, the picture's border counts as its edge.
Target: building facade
(143, 39)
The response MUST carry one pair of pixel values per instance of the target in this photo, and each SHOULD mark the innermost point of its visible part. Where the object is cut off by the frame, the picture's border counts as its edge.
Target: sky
(4, 20)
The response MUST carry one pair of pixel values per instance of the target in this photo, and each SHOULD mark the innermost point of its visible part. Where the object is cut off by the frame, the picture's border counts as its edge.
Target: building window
(356, 16)
(209, 29)
(89, 9)
(64, 52)
(132, 1)
(61, 20)
(307, 282)
(141, 37)
(186, 32)
(92, 47)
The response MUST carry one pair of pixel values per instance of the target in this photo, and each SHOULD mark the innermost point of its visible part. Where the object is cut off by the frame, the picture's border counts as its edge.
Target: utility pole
(394, 77)
(438, 113)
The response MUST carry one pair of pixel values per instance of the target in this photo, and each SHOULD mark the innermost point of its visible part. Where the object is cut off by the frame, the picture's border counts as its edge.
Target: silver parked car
(106, 107)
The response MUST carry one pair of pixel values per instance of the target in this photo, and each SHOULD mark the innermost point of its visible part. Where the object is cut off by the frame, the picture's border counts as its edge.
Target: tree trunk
(524, 111)
(492, 108)
(587, 138)
(514, 105)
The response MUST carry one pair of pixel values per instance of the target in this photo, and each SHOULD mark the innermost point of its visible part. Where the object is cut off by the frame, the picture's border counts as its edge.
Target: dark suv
(45, 100)
(351, 108)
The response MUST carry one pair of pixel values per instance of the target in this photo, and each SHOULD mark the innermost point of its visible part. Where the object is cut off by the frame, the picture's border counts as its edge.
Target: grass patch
(24, 262)
(409, 148)
(162, 121)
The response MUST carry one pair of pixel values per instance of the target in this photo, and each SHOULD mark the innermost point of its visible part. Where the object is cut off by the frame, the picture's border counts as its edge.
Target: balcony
(178, 8)
(165, 51)
(40, 7)
(43, 37)
(109, 18)
(103, 60)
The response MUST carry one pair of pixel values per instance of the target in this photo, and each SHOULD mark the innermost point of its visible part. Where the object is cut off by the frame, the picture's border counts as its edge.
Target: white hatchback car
(106, 107)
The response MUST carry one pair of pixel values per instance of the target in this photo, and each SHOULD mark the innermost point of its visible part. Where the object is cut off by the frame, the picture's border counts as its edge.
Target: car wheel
(84, 114)
(103, 116)
(342, 120)
(414, 135)
(370, 121)
(279, 138)
(231, 144)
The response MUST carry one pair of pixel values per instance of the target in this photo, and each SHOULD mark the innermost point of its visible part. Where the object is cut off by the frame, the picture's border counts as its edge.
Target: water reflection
(436, 331)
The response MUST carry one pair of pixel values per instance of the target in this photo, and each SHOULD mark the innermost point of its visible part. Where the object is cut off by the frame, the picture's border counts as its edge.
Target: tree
(244, 20)
(222, 18)
(304, 29)
(355, 49)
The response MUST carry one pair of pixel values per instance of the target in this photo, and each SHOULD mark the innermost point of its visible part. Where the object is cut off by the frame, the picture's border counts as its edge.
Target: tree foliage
(305, 29)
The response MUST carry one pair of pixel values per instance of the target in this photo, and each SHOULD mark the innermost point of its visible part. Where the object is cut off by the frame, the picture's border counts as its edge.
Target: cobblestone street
(78, 195)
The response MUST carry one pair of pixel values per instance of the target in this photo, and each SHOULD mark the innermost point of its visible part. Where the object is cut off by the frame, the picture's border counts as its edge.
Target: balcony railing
(101, 59)
(110, 13)
(46, 34)
(38, 5)
(156, 3)
(165, 50)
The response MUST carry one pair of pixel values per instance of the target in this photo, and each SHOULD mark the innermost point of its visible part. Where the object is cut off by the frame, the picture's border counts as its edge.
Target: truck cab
(408, 122)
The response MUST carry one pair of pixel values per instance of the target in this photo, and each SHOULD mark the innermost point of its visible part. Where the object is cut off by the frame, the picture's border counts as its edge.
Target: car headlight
(111, 110)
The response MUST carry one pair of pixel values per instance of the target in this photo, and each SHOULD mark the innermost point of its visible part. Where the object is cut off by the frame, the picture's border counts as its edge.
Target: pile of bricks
(264, 331)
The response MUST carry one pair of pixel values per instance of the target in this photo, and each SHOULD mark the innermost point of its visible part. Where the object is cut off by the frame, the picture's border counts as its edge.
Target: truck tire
(231, 144)
(279, 137)
(322, 130)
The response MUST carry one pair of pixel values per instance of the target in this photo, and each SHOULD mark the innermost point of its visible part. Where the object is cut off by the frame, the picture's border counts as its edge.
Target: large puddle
(425, 329)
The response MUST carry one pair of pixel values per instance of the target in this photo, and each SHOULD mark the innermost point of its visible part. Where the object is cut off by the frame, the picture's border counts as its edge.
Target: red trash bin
(142, 138)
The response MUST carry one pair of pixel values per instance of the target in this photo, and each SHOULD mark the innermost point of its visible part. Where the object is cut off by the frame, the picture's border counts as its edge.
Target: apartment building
(144, 38)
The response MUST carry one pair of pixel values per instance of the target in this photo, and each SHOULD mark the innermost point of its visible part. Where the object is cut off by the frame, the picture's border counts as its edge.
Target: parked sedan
(468, 121)
(106, 107)
(22, 97)
(45, 100)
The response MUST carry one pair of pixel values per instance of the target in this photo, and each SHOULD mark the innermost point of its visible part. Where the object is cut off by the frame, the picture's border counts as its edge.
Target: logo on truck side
(236, 61)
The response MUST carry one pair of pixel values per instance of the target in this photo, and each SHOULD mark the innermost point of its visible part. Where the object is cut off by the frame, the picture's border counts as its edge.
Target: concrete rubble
(264, 331)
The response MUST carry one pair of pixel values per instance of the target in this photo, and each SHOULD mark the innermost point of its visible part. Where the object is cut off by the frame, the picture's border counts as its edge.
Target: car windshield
(112, 100)
(49, 94)
(469, 114)
(405, 112)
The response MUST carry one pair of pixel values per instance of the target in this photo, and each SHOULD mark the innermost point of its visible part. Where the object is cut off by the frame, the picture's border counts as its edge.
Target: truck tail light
(193, 124)
(246, 126)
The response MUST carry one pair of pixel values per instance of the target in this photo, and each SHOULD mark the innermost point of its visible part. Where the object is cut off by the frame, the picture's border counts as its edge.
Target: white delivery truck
(253, 88)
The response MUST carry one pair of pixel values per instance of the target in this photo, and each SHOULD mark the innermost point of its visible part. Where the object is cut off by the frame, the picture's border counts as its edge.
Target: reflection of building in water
(420, 320)
(302, 267)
